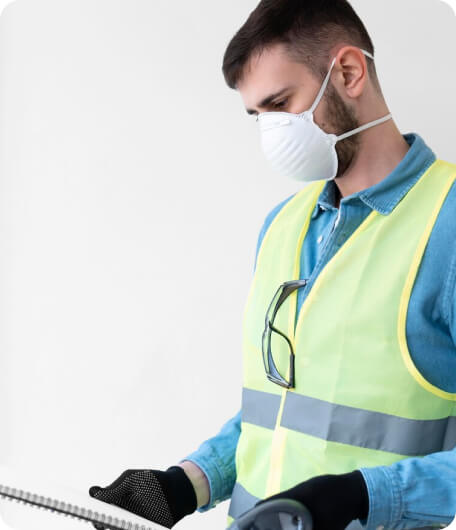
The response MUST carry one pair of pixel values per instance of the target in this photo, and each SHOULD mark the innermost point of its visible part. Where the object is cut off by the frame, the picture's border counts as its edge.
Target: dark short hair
(308, 29)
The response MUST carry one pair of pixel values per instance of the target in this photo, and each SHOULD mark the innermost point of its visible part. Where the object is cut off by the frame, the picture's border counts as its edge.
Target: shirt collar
(387, 193)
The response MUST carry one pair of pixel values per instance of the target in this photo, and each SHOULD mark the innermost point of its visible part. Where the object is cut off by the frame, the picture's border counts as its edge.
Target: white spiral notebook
(23, 498)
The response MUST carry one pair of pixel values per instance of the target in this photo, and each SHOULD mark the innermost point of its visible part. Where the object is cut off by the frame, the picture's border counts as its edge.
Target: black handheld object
(277, 514)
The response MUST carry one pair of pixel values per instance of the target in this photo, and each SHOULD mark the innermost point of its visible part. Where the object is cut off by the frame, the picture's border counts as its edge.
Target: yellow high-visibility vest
(359, 399)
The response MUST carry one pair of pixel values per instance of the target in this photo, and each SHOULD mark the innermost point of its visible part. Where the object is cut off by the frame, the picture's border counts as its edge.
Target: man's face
(294, 89)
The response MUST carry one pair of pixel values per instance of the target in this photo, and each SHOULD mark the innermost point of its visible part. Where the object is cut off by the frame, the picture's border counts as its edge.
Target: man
(349, 331)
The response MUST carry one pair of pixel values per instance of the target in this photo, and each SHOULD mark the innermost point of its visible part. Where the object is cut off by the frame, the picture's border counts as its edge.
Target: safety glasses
(272, 372)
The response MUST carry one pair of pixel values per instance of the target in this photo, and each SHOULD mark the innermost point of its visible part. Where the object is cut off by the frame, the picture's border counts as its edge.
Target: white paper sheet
(26, 517)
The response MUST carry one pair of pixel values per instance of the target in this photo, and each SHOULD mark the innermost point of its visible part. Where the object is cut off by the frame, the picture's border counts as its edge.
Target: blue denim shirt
(415, 491)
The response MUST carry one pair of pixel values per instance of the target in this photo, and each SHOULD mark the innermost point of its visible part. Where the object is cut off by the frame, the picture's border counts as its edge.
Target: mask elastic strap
(325, 82)
(322, 88)
(365, 126)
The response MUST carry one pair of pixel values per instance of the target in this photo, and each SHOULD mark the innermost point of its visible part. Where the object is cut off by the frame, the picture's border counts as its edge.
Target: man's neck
(381, 149)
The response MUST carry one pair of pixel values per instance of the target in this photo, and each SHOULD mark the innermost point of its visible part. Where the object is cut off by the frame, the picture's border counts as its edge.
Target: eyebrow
(266, 101)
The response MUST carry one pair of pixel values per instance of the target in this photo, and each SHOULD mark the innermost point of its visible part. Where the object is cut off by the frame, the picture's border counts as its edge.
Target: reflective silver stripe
(260, 408)
(366, 428)
(450, 435)
(241, 501)
(350, 425)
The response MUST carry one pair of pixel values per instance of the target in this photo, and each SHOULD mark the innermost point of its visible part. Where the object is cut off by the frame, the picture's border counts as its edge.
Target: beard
(342, 118)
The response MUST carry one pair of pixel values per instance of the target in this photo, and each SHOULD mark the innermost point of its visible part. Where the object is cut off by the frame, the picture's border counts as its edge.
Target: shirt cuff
(215, 476)
(385, 497)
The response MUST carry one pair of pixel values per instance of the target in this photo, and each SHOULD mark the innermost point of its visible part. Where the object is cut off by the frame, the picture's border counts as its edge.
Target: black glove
(333, 500)
(163, 497)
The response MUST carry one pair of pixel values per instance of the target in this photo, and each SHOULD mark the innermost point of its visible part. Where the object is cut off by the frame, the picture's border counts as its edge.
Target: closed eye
(280, 104)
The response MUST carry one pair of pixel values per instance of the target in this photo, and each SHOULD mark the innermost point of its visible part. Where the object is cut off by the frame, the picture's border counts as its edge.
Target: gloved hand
(163, 497)
(333, 500)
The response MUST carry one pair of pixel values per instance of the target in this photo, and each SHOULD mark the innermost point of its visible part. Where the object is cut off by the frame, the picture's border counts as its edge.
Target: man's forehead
(269, 77)
(269, 63)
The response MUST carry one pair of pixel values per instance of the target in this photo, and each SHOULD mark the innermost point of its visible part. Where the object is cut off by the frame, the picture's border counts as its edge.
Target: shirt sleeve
(216, 458)
(418, 491)
(412, 493)
(450, 296)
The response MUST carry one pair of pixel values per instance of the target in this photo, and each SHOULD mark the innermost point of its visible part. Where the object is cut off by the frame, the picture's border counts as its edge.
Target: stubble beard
(343, 119)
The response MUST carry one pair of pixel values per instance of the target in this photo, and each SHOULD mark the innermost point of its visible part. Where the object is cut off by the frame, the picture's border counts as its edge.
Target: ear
(352, 73)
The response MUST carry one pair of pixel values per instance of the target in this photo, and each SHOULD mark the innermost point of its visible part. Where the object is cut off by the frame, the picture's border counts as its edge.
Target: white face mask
(297, 147)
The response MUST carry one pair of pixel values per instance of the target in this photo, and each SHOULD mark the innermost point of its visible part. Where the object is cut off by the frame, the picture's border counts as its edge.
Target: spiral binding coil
(72, 510)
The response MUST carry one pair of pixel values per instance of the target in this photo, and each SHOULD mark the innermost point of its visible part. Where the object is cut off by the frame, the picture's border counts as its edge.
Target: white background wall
(132, 191)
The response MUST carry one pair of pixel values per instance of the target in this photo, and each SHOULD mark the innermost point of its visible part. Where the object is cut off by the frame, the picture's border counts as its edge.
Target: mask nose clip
(280, 123)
